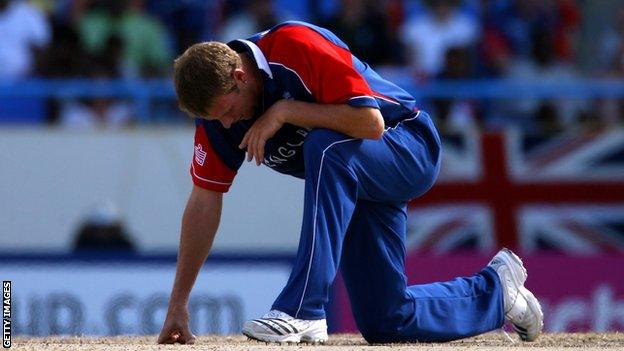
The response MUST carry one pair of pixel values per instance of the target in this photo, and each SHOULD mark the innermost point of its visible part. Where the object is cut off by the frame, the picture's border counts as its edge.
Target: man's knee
(382, 328)
(383, 331)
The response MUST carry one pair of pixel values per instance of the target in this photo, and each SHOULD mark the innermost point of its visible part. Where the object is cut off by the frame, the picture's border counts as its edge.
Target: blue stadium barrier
(166, 258)
(143, 92)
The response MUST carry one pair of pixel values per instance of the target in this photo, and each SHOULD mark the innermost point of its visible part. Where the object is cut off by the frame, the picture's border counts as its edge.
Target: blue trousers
(356, 194)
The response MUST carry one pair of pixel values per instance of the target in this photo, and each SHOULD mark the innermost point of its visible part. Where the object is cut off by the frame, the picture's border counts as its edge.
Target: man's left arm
(356, 122)
(344, 101)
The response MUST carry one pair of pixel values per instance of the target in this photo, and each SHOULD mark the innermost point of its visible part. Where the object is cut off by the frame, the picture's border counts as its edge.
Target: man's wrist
(177, 301)
(177, 306)
(285, 112)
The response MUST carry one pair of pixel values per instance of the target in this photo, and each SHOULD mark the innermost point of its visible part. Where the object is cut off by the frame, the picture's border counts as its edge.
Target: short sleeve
(325, 68)
(207, 169)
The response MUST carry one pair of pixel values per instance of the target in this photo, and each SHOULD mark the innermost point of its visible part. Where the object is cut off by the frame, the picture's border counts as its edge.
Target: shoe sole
(536, 309)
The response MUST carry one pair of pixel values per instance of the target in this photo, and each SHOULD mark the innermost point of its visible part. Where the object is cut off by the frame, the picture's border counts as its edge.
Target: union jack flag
(561, 192)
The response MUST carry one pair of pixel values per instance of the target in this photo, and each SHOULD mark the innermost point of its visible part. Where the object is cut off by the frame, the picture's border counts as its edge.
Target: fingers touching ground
(177, 337)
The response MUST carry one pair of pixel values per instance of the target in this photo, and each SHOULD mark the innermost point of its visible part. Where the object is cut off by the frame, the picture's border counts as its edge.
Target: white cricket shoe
(277, 326)
(521, 307)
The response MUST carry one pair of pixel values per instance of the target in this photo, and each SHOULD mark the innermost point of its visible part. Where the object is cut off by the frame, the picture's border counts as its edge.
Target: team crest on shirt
(200, 155)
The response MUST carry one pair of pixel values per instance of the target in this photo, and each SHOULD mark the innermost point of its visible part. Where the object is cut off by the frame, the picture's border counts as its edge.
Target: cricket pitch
(494, 341)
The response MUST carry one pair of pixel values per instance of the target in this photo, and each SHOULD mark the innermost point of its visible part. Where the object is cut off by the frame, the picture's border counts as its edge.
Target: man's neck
(249, 65)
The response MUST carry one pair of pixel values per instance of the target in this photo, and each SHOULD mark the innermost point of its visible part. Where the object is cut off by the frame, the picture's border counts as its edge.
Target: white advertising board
(132, 298)
(51, 178)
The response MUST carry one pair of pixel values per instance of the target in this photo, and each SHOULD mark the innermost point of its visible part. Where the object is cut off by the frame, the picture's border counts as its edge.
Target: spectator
(456, 114)
(612, 64)
(257, 15)
(146, 52)
(188, 21)
(100, 112)
(566, 29)
(24, 33)
(364, 26)
(429, 35)
(103, 229)
(543, 65)
(495, 48)
(65, 56)
(507, 28)
(612, 48)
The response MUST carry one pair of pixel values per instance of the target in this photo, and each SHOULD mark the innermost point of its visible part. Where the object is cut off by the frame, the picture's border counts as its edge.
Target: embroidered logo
(200, 155)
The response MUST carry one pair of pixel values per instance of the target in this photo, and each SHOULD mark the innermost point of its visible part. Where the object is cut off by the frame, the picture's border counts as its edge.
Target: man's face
(240, 104)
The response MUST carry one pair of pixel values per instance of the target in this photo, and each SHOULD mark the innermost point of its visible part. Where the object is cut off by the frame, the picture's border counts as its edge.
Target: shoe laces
(277, 314)
(300, 323)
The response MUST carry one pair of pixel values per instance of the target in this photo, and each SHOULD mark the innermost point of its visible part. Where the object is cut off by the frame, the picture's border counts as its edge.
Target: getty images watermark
(6, 314)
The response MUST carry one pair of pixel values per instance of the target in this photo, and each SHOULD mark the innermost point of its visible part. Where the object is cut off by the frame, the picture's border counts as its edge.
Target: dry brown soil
(496, 341)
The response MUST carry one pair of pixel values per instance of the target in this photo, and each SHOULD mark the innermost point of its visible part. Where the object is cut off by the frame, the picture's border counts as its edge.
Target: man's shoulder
(220, 136)
(224, 141)
(296, 33)
(288, 27)
(286, 33)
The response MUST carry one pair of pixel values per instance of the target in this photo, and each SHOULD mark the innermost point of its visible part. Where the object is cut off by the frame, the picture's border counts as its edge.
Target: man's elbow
(377, 125)
(375, 134)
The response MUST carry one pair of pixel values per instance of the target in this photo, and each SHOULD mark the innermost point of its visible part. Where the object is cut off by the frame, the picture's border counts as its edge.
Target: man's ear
(239, 75)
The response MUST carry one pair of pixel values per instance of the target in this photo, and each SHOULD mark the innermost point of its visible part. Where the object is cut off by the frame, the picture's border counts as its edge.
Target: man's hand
(176, 328)
(263, 129)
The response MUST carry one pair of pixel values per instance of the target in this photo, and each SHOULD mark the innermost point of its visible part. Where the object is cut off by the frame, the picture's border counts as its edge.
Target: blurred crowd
(549, 40)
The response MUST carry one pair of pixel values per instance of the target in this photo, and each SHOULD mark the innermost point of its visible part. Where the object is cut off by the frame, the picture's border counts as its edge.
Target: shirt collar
(240, 45)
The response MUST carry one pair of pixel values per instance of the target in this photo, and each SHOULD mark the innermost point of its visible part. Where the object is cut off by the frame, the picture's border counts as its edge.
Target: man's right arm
(199, 226)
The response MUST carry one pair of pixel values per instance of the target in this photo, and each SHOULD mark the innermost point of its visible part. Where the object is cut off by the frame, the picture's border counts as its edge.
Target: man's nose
(226, 122)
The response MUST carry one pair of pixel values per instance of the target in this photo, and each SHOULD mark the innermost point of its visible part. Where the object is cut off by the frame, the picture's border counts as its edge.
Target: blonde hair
(203, 72)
